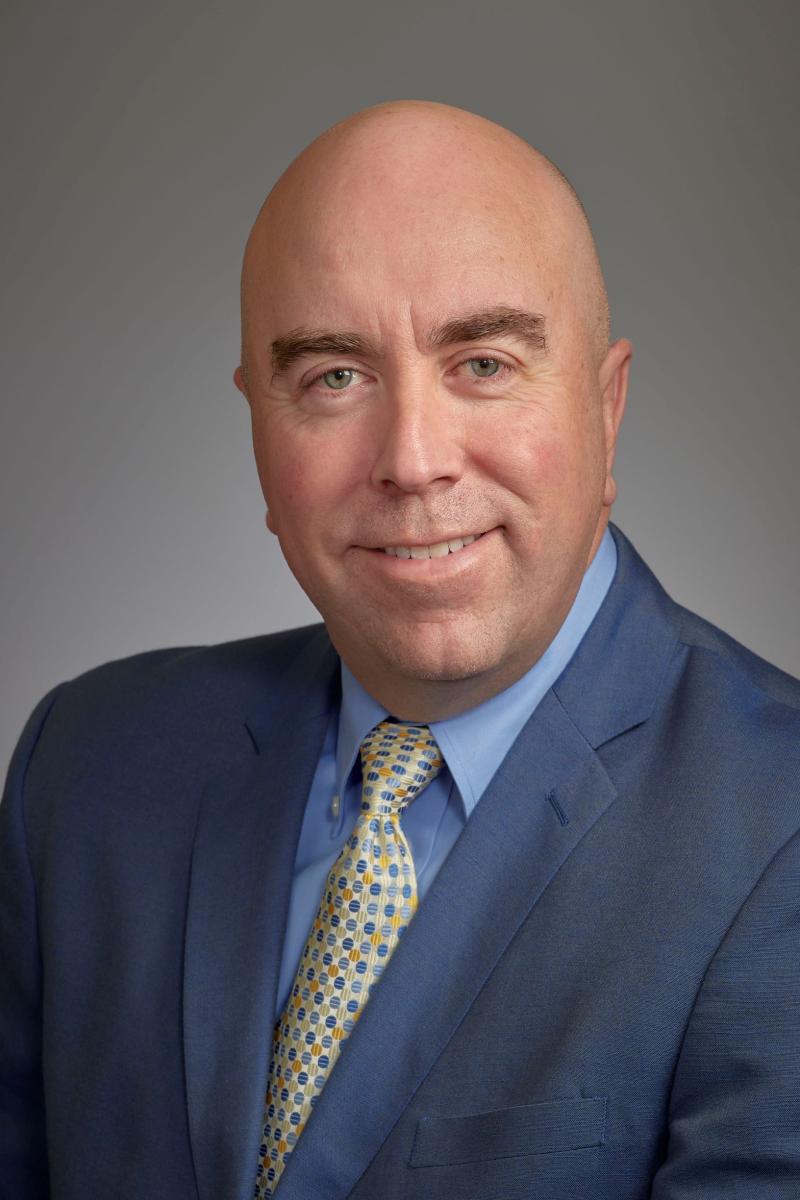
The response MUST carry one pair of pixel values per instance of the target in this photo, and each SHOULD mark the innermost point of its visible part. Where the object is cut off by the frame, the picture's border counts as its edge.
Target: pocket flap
(527, 1129)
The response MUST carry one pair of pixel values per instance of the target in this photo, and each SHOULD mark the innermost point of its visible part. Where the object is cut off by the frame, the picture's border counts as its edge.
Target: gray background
(139, 141)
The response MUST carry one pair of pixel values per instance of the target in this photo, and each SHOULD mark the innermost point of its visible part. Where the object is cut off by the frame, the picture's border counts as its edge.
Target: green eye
(484, 367)
(338, 379)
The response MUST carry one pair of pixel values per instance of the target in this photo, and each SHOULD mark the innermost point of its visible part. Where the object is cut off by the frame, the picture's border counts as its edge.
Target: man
(214, 981)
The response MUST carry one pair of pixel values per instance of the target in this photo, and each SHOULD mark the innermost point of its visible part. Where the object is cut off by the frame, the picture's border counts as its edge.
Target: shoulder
(708, 670)
(723, 751)
(185, 697)
(745, 693)
(236, 670)
(706, 720)
(728, 736)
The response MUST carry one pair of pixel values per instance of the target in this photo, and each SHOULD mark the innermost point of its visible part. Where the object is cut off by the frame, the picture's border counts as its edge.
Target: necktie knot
(398, 760)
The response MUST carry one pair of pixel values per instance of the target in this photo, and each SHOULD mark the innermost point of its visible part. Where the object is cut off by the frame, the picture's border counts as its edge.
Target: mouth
(433, 550)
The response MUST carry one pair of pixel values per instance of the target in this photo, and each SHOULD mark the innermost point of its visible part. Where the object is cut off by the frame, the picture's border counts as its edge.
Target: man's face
(419, 381)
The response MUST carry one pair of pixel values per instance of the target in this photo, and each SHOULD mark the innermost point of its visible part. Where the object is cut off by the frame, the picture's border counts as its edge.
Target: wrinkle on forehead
(434, 178)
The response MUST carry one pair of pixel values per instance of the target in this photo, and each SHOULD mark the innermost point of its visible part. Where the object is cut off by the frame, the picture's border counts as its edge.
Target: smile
(437, 550)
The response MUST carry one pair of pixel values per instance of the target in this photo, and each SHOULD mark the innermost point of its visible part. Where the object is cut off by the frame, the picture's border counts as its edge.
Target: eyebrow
(494, 322)
(502, 321)
(299, 343)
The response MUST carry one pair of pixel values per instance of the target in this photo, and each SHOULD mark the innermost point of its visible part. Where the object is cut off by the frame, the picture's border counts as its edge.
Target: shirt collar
(474, 743)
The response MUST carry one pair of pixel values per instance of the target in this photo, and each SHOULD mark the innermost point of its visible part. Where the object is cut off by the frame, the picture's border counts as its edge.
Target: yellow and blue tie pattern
(369, 898)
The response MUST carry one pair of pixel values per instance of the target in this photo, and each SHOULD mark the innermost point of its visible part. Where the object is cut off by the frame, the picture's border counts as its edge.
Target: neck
(423, 701)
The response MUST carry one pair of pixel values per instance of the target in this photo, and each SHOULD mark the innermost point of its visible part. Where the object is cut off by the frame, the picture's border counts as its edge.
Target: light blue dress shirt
(473, 745)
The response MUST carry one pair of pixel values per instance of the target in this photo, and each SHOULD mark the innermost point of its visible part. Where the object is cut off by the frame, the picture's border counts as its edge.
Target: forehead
(366, 272)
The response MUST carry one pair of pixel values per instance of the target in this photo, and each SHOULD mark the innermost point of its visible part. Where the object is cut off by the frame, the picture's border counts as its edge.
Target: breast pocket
(550, 1127)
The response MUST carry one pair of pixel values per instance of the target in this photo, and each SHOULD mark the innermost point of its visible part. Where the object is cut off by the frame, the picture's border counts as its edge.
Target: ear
(614, 373)
(238, 379)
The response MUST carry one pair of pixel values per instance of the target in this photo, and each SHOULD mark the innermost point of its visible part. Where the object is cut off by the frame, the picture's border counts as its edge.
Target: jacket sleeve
(734, 1125)
(23, 1148)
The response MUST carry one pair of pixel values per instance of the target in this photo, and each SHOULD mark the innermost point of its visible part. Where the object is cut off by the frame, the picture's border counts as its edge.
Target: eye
(484, 368)
(338, 379)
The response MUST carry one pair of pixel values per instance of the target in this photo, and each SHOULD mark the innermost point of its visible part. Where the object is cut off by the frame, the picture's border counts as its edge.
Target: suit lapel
(549, 791)
(248, 827)
(617, 673)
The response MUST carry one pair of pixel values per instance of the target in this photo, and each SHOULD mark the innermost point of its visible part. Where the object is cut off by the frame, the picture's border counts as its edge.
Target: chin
(442, 659)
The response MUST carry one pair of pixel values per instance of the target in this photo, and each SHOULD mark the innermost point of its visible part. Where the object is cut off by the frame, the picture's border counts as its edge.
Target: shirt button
(335, 806)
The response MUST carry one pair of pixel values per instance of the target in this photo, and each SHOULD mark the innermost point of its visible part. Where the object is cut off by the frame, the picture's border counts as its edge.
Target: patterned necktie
(369, 898)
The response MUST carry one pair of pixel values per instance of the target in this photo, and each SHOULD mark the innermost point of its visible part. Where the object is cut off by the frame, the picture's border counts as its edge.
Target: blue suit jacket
(598, 998)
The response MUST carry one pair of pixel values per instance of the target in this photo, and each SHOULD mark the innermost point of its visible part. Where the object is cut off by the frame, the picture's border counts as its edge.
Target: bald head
(405, 173)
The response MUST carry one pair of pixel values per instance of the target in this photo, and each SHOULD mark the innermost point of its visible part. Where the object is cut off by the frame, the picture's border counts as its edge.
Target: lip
(429, 568)
(413, 543)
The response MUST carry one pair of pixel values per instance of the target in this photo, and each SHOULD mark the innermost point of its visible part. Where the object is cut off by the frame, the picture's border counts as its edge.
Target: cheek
(304, 476)
(287, 485)
(279, 470)
(545, 454)
(526, 452)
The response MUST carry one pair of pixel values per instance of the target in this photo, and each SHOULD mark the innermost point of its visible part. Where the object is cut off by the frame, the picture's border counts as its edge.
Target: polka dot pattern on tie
(370, 896)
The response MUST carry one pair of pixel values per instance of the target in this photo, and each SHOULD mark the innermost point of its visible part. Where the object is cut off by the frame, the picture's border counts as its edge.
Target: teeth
(439, 550)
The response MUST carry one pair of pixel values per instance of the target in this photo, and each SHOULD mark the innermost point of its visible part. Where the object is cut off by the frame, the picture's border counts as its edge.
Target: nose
(420, 442)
